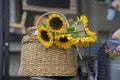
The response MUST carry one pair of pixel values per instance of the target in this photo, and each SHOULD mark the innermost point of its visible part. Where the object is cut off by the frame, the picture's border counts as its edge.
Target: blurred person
(111, 12)
(116, 35)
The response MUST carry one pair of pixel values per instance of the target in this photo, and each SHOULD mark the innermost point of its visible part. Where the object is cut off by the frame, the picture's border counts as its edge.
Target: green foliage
(44, 25)
(70, 29)
(75, 35)
(80, 23)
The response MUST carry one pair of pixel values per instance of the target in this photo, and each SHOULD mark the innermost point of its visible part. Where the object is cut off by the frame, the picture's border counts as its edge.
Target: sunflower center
(45, 36)
(63, 39)
(56, 23)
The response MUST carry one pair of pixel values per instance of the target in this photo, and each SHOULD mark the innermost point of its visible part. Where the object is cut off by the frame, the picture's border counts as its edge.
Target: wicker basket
(36, 60)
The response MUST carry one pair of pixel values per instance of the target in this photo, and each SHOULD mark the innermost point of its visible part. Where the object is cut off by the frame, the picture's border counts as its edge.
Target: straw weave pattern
(36, 60)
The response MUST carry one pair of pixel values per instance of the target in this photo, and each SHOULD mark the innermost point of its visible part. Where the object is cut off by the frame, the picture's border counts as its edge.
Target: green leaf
(75, 35)
(80, 23)
(44, 25)
(70, 29)
(111, 56)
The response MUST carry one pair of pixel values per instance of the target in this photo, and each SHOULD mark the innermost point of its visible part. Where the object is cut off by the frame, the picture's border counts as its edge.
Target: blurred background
(24, 13)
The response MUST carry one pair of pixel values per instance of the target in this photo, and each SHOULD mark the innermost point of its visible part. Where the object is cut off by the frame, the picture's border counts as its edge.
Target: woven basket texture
(36, 60)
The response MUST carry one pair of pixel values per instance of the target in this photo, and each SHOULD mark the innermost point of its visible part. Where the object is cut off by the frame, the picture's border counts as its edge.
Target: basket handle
(30, 29)
(37, 23)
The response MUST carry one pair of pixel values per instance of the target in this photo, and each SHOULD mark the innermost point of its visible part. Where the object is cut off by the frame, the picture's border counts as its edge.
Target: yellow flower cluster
(55, 32)
(87, 40)
(90, 36)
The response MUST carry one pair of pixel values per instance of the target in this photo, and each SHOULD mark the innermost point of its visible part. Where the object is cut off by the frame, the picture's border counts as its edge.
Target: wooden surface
(72, 10)
(21, 24)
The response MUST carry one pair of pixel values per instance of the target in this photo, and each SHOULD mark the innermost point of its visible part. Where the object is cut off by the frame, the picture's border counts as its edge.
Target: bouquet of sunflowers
(56, 31)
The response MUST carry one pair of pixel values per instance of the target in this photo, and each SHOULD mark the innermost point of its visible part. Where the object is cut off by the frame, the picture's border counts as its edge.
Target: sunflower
(56, 23)
(64, 41)
(82, 20)
(45, 37)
